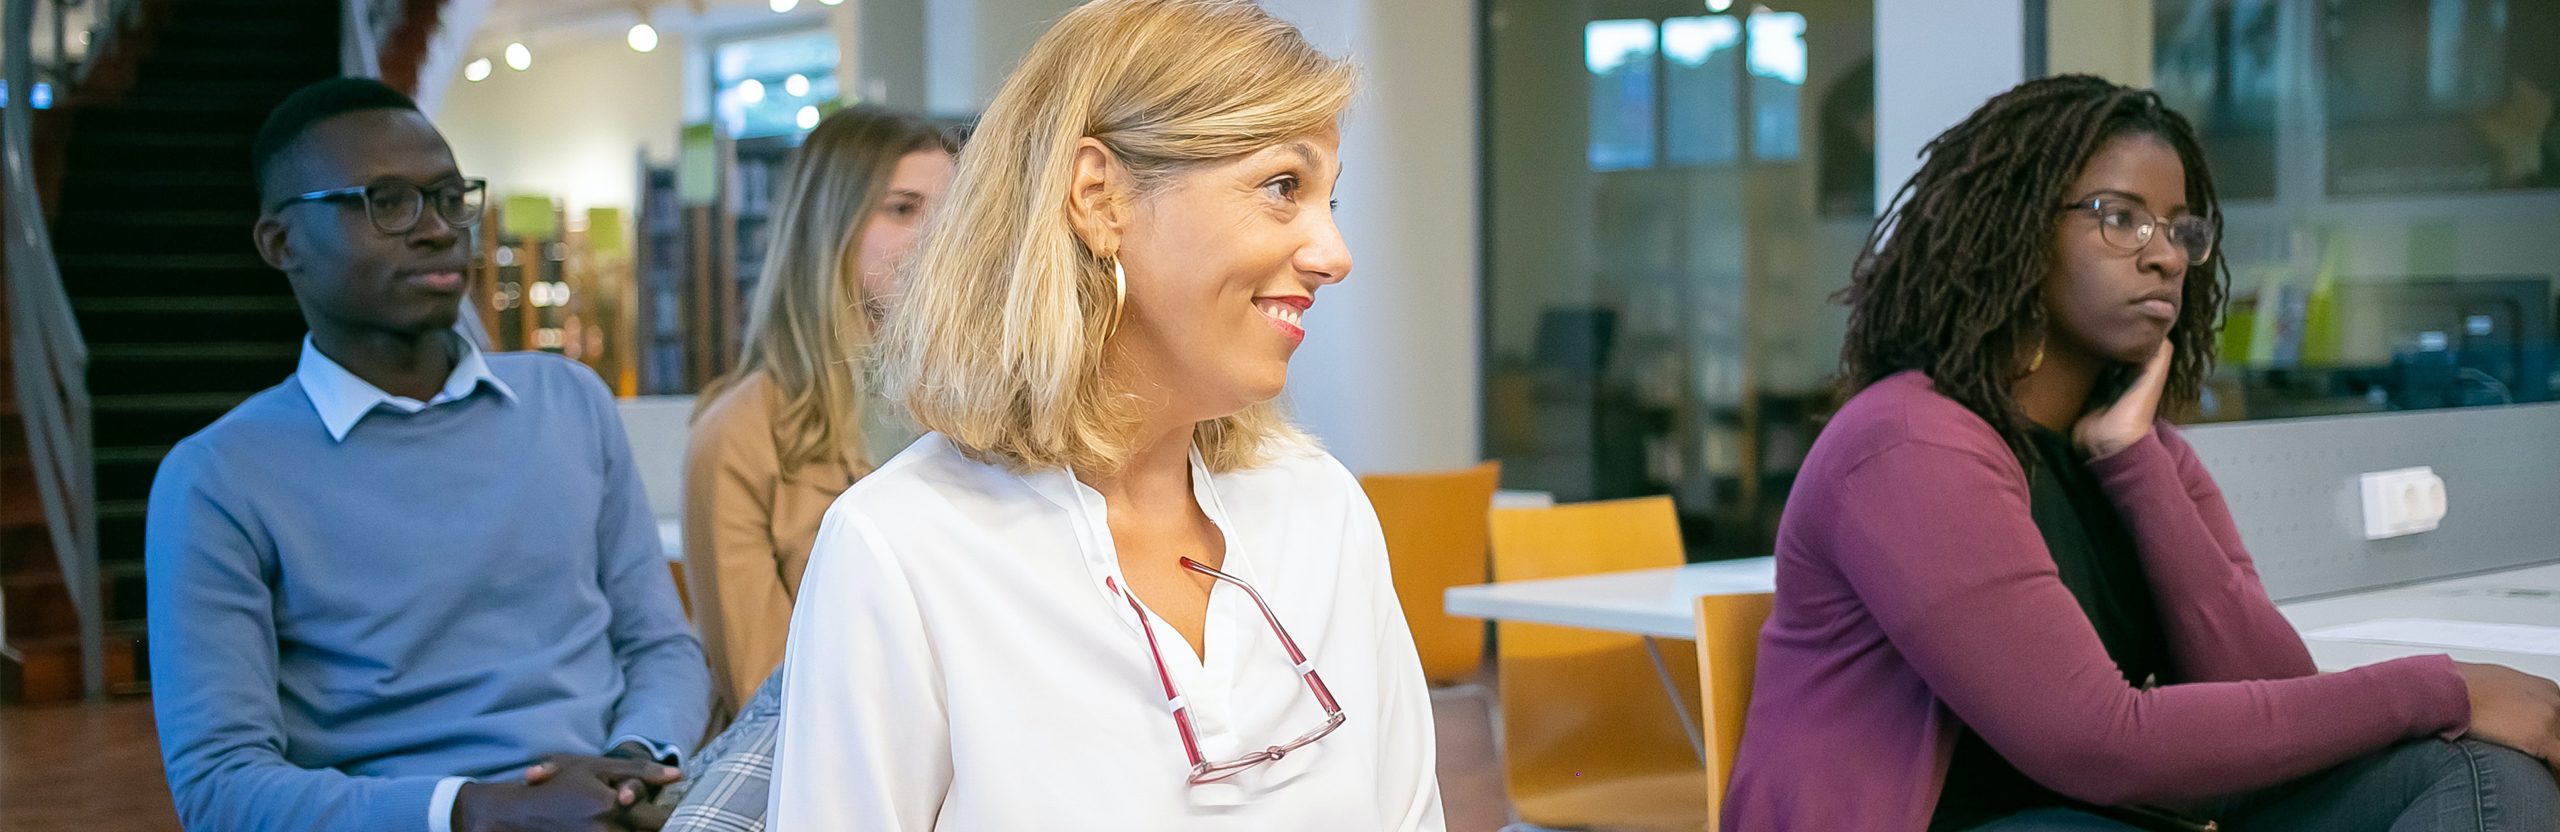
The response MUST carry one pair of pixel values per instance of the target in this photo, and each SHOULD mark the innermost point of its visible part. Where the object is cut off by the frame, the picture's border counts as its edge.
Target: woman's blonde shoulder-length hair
(807, 329)
(998, 341)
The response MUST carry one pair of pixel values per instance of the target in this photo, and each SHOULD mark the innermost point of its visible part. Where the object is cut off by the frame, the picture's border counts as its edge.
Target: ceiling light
(808, 117)
(797, 85)
(1718, 6)
(518, 57)
(751, 91)
(643, 37)
(477, 70)
(830, 2)
(780, 6)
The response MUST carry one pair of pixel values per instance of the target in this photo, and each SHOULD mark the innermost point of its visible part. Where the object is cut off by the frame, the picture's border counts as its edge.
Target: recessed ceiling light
(797, 85)
(477, 70)
(751, 91)
(643, 37)
(808, 117)
(518, 57)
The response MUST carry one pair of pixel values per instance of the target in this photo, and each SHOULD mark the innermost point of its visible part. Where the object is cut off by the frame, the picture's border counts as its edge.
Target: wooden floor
(97, 768)
(82, 767)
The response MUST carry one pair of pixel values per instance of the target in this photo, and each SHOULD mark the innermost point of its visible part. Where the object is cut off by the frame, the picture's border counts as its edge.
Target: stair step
(210, 370)
(94, 237)
(213, 7)
(144, 120)
(190, 305)
(167, 402)
(109, 190)
(120, 526)
(188, 139)
(102, 275)
(157, 418)
(259, 320)
(47, 669)
(278, 33)
(162, 261)
(39, 603)
(183, 101)
(126, 472)
(211, 60)
(173, 152)
(164, 180)
(222, 87)
(25, 548)
(194, 353)
(238, 219)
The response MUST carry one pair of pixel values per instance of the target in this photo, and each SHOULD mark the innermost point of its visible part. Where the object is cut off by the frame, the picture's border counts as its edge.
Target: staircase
(183, 321)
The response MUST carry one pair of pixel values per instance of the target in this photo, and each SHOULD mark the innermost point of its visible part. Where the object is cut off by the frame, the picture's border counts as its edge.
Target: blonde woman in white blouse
(1114, 588)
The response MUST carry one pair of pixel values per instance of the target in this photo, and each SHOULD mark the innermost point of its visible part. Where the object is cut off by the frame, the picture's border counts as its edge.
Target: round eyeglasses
(2129, 226)
(1204, 770)
(395, 207)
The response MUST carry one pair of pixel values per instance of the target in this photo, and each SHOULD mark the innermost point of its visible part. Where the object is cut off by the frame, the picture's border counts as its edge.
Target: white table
(1662, 603)
(1657, 603)
(1653, 603)
(2525, 595)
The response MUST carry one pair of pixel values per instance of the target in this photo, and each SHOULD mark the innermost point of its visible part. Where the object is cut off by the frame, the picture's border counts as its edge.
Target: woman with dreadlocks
(2009, 597)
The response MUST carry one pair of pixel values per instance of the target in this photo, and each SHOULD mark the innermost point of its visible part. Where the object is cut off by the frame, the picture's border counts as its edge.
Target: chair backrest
(1436, 533)
(1584, 707)
(658, 427)
(1728, 656)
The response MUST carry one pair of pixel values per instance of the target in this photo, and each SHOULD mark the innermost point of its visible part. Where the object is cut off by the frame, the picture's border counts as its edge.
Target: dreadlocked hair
(1951, 279)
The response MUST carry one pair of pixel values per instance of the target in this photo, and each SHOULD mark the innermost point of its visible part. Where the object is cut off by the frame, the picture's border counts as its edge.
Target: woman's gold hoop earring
(1119, 297)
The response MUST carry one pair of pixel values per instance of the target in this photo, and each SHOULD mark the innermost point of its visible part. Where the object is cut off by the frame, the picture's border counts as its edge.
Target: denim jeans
(2416, 786)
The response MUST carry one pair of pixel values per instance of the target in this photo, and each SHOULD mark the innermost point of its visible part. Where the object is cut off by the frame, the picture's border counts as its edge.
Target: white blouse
(957, 661)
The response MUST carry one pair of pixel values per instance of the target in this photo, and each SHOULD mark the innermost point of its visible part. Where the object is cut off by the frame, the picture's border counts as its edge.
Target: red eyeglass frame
(1203, 771)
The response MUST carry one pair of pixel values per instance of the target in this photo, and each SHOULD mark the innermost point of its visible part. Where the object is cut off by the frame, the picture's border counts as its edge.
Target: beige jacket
(747, 531)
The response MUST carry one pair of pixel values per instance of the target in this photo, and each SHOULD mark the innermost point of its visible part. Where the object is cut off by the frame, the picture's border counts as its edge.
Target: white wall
(971, 45)
(570, 126)
(1390, 373)
(1937, 60)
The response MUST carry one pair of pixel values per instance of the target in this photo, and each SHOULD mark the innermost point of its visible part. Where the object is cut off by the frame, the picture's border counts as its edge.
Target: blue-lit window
(775, 85)
(1777, 84)
(1704, 57)
(1672, 93)
(1620, 54)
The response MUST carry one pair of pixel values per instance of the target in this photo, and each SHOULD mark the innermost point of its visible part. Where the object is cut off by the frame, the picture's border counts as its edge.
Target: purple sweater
(1915, 597)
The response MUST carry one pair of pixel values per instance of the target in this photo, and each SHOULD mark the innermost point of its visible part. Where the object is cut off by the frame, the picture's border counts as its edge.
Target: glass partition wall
(1673, 190)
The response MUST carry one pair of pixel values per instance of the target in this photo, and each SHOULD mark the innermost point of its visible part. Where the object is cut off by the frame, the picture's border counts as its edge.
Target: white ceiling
(555, 21)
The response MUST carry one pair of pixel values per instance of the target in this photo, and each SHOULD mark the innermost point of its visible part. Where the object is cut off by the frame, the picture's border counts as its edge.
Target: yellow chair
(1589, 735)
(1435, 529)
(1728, 656)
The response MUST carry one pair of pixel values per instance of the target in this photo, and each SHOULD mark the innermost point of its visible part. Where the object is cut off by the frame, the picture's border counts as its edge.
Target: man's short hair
(311, 105)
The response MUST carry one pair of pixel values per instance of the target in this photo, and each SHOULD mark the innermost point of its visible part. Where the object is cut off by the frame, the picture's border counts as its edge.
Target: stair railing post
(48, 356)
(356, 49)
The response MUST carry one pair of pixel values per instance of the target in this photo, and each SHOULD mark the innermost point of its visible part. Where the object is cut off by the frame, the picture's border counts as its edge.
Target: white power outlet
(2402, 502)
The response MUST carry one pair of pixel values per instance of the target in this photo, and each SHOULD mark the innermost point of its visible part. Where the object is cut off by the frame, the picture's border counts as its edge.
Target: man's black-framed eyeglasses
(395, 207)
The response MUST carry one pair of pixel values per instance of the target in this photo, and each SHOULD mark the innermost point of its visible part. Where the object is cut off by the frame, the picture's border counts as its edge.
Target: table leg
(1679, 704)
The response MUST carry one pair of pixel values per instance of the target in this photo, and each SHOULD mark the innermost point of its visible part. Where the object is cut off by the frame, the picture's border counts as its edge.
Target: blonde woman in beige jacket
(777, 439)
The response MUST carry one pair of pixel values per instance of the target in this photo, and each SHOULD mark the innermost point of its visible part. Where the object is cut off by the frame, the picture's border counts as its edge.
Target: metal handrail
(357, 53)
(49, 357)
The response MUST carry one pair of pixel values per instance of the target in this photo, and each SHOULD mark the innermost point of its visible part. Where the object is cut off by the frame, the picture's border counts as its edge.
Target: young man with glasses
(383, 589)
